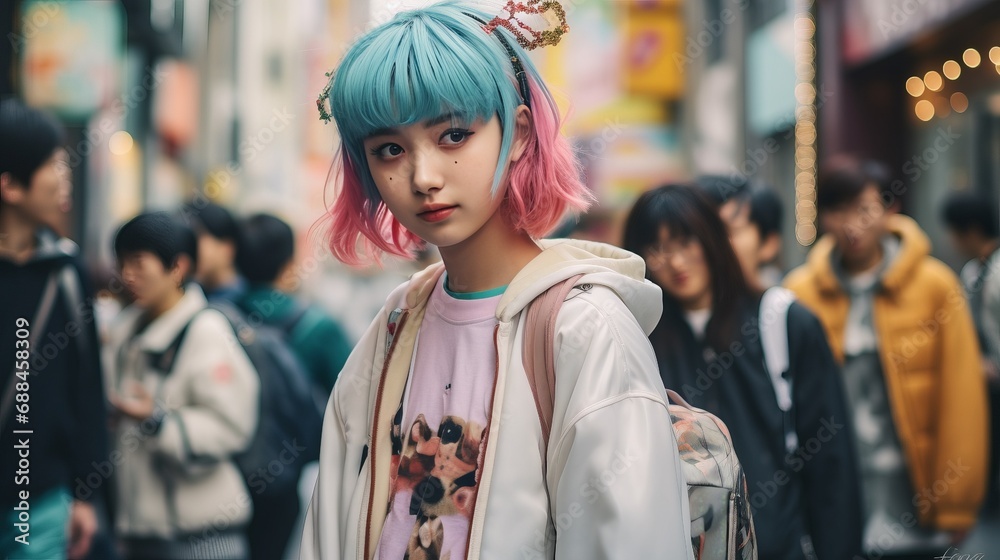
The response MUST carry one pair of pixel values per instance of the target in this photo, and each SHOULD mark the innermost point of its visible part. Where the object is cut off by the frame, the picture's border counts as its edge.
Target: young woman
(708, 343)
(432, 446)
(185, 394)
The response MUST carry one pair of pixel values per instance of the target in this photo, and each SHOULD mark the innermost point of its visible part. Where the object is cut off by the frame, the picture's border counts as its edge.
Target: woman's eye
(455, 137)
(387, 150)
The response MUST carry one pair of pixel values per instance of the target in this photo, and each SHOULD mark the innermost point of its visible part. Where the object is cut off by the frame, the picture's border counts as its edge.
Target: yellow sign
(653, 53)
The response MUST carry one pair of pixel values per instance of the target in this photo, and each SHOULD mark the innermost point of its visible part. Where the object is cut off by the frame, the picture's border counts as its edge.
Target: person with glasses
(799, 463)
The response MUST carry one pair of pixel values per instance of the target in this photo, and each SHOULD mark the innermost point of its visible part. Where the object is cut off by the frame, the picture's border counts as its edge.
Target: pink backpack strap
(538, 352)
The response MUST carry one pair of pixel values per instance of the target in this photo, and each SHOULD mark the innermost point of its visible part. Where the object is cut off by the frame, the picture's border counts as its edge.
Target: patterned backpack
(721, 522)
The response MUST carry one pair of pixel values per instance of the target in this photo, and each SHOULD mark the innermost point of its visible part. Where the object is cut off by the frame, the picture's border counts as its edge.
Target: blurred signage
(72, 55)
(175, 110)
(872, 27)
(654, 53)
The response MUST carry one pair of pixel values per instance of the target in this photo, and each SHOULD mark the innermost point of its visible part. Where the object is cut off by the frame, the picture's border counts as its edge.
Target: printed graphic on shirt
(436, 479)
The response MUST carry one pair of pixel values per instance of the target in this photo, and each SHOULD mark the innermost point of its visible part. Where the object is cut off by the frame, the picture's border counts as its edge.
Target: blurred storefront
(916, 83)
(740, 101)
(617, 76)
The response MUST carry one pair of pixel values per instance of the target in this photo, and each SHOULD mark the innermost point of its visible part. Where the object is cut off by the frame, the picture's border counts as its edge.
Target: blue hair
(421, 65)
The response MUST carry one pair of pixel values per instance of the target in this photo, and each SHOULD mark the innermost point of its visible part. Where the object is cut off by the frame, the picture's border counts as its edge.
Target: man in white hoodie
(187, 401)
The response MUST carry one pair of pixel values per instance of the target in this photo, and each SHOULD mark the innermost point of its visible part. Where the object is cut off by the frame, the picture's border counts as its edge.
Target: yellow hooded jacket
(930, 359)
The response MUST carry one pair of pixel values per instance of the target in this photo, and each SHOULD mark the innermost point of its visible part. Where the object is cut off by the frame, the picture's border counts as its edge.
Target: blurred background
(166, 100)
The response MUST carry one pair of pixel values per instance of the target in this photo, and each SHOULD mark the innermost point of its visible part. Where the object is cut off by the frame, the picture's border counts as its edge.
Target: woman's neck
(700, 303)
(488, 259)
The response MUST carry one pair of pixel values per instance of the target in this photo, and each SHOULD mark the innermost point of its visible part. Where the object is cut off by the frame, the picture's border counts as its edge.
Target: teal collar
(473, 295)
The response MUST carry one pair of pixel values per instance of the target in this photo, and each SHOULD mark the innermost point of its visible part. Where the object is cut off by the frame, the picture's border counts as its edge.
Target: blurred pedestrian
(186, 396)
(752, 214)
(897, 320)
(47, 329)
(971, 219)
(434, 445)
(218, 237)
(805, 497)
(266, 259)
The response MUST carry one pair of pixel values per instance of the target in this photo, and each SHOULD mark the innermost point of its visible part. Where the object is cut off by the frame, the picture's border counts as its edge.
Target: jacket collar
(162, 331)
(51, 247)
(603, 264)
(914, 247)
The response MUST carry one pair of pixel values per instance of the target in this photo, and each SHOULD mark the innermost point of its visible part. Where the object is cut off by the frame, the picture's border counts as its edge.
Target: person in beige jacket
(186, 398)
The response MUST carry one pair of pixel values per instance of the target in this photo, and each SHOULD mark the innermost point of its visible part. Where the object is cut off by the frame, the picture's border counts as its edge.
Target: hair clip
(515, 62)
(551, 10)
(323, 101)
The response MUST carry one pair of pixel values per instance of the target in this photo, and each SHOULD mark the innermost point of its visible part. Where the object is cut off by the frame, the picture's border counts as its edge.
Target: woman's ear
(523, 128)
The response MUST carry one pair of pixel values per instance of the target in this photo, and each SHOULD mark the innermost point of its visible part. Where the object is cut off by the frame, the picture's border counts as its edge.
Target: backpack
(291, 418)
(721, 521)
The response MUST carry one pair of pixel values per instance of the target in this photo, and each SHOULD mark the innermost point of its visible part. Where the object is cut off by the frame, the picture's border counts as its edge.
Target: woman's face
(436, 178)
(678, 265)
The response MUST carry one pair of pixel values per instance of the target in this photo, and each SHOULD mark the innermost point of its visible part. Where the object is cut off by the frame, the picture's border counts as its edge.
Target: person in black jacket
(50, 372)
(805, 496)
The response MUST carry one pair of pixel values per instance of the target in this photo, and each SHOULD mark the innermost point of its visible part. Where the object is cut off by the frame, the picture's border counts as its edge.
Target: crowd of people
(858, 392)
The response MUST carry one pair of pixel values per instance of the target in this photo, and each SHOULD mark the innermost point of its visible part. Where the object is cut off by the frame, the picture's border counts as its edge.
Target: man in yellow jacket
(897, 320)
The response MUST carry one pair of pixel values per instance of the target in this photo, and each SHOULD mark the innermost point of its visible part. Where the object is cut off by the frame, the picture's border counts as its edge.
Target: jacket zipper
(486, 439)
(373, 442)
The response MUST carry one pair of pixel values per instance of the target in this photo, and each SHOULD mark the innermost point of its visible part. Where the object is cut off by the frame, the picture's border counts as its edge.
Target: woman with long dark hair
(799, 461)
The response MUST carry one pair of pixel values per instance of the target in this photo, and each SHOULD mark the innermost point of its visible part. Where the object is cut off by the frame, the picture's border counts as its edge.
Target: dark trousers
(274, 518)
(993, 485)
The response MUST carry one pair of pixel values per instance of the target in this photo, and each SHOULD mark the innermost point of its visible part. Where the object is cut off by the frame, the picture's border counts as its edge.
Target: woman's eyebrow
(430, 123)
(382, 132)
(447, 117)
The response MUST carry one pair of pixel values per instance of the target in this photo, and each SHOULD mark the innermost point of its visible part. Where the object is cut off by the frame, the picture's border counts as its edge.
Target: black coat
(813, 491)
(69, 446)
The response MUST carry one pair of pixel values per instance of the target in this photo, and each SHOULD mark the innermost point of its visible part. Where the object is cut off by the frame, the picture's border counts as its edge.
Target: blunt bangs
(420, 66)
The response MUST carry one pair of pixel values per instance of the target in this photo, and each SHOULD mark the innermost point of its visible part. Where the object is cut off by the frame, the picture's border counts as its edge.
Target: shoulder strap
(69, 282)
(292, 321)
(538, 352)
(164, 361)
(37, 325)
(773, 326)
(774, 338)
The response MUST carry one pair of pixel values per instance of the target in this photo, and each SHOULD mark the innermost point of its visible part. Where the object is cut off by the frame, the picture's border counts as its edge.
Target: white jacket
(614, 487)
(211, 401)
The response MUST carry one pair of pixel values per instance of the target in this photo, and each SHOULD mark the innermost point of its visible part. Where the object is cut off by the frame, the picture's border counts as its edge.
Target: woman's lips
(437, 215)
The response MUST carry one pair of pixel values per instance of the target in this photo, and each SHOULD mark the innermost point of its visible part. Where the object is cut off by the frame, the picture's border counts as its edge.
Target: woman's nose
(426, 174)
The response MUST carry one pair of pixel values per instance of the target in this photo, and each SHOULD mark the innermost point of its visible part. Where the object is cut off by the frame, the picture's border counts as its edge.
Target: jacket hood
(602, 264)
(914, 247)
